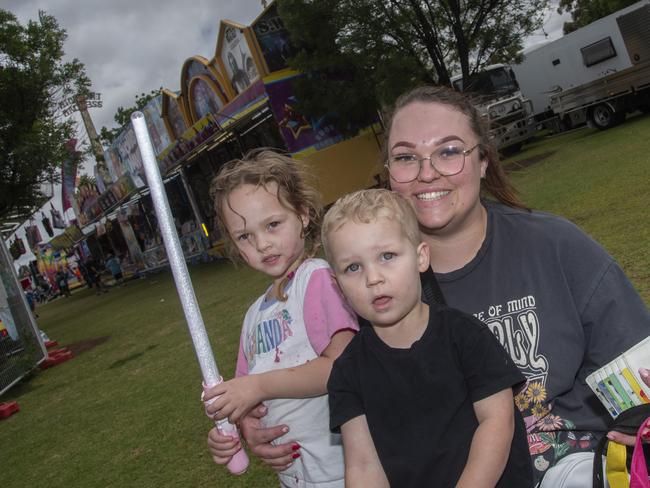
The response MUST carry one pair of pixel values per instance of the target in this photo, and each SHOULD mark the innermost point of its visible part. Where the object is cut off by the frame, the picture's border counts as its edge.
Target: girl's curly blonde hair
(260, 167)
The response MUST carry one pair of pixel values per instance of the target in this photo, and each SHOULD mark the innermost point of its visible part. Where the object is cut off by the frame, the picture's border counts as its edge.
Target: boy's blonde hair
(260, 167)
(367, 206)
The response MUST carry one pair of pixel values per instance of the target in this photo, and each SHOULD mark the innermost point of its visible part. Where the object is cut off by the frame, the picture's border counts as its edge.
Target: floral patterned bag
(585, 469)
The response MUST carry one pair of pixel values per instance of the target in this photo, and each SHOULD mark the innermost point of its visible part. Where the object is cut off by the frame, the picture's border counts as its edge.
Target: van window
(598, 51)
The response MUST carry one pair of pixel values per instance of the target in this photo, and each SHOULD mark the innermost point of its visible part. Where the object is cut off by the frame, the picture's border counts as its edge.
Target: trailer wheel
(604, 117)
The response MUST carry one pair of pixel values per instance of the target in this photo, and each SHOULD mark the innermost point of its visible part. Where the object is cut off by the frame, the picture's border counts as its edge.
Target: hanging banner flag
(69, 175)
(33, 236)
(14, 251)
(46, 225)
(20, 245)
(57, 220)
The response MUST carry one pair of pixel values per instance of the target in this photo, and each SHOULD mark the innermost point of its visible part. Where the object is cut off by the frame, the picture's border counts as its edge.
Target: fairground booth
(240, 99)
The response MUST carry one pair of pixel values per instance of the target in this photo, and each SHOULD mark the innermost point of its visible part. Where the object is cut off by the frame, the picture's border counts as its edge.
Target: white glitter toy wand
(239, 463)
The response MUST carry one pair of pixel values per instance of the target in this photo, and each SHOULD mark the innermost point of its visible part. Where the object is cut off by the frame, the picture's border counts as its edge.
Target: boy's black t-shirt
(418, 401)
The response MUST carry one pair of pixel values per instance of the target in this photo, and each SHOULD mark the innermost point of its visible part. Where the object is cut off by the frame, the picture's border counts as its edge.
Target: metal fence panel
(21, 345)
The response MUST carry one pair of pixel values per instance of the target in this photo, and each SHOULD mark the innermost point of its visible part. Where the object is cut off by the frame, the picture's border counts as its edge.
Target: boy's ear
(423, 257)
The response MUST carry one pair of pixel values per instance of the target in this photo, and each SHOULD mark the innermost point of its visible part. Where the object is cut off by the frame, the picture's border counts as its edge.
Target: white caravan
(596, 73)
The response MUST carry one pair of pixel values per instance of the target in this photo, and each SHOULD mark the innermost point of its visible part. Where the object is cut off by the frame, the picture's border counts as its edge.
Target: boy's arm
(491, 443)
(239, 395)
(362, 465)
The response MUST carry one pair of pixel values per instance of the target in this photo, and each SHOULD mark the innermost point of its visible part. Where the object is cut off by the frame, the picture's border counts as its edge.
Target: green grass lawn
(600, 181)
(125, 412)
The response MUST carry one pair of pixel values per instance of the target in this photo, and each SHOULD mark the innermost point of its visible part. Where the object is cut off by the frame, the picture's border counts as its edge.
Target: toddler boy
(423, 396)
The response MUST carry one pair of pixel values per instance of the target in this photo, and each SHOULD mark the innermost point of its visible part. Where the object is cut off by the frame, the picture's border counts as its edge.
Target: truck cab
(495, 93)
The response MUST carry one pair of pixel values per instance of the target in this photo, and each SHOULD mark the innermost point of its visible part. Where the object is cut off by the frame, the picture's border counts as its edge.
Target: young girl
(292, 334)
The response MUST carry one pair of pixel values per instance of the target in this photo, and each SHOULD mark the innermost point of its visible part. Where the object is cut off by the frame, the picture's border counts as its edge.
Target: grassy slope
(600, 181)
(127, 412)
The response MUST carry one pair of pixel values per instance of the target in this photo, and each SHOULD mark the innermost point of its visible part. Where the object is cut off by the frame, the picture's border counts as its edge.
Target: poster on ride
(273, 39)
(236, 57)
(298, 131)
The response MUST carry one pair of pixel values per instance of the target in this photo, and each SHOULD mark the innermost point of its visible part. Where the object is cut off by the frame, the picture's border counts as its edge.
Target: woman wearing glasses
(557, 302)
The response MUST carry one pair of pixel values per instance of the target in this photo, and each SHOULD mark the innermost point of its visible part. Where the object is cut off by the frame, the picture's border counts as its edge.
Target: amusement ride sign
(80, 102)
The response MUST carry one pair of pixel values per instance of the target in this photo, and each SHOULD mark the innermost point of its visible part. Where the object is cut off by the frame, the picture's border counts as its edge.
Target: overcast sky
(135, 46)
(130, 47)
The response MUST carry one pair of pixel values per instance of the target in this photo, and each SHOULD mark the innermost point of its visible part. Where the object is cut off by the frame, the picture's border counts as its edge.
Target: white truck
(595, 74)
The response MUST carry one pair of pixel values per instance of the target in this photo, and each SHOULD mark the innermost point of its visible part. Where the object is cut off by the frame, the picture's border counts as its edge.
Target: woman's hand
(222, 447)
(278, 457)
(630, 440)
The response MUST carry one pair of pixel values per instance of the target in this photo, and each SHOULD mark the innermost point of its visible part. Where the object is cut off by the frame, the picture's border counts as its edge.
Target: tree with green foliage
(34, 83)
(584, 12)
(360, 54)
(123, 116)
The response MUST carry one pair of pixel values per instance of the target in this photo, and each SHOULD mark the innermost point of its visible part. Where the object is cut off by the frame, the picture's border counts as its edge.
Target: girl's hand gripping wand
(239, 463)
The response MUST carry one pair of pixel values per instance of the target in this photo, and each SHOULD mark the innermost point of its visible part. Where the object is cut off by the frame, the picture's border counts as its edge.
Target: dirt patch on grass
(132, 357)
(83, 346)
(137, 452)
(525, 163)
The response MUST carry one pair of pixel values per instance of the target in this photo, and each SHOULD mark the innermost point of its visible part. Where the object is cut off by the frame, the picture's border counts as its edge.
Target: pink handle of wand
(227, 429)
(239, 463)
